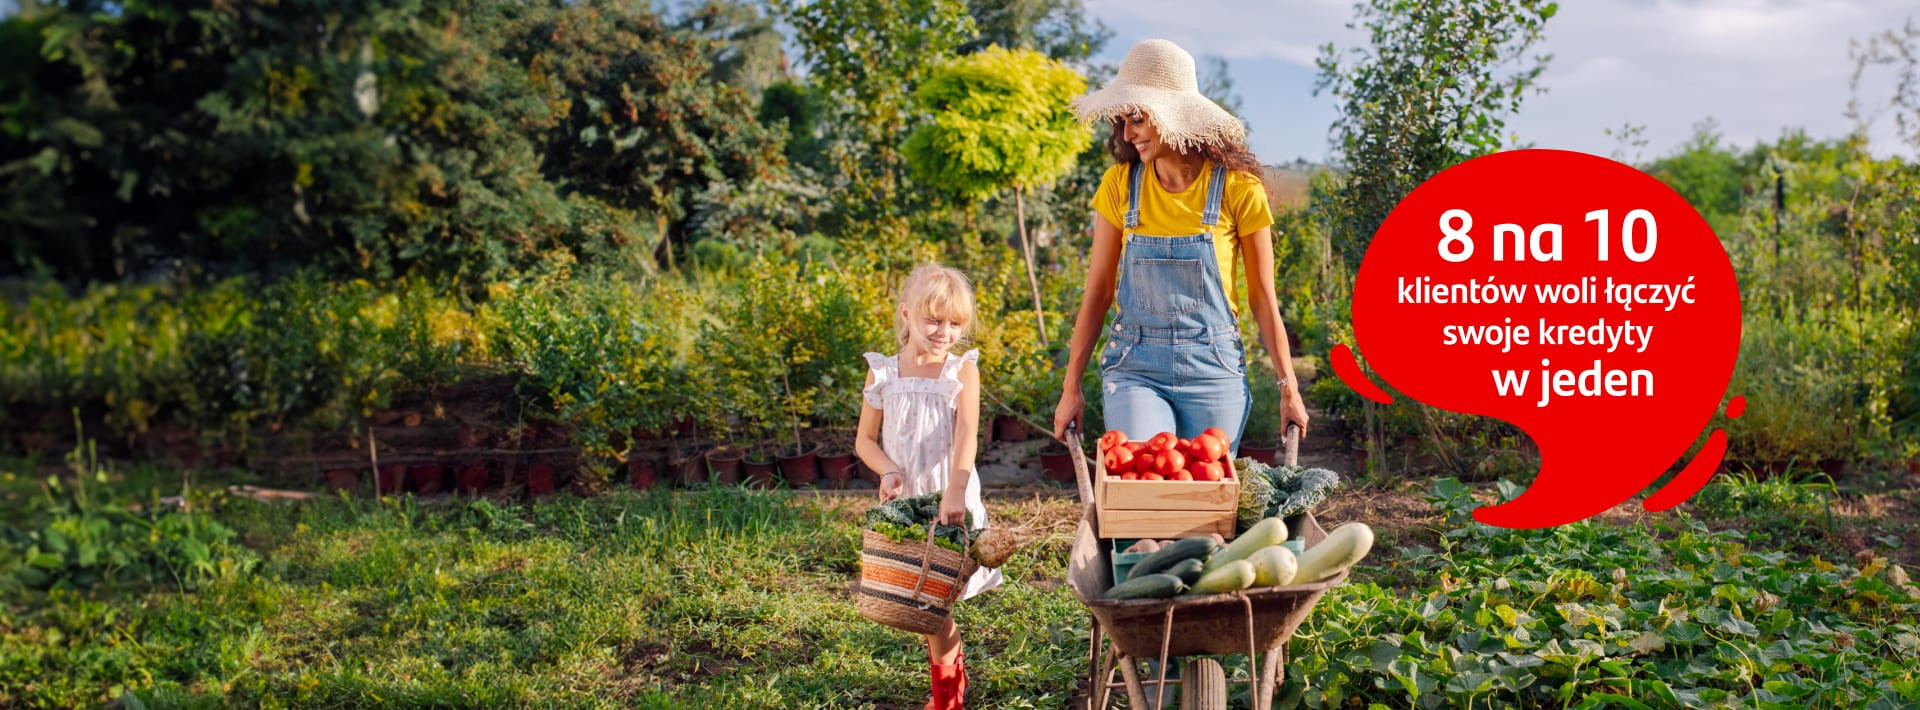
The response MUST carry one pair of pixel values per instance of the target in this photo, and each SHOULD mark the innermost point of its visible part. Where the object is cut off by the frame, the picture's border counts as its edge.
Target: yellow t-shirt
(1243, 211)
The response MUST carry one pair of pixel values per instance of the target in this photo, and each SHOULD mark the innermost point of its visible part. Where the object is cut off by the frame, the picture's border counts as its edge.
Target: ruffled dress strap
(951, 373)
(883, 372)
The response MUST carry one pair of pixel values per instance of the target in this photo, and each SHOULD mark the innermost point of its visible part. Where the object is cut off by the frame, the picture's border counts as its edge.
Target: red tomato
(1181, 475)
(1111, 439)
(1136, 447)
(1130, 476)
(1184, 446)
(1216, 433)
(1213, 448)
(1170, 462)
(1162, 441)
(1120, 459)
(1152, 477)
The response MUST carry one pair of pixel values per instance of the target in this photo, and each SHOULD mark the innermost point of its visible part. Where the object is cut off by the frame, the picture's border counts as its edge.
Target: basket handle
(926, 562)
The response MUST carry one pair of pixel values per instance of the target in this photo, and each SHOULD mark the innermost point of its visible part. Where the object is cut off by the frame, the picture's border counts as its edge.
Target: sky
(1755, 67)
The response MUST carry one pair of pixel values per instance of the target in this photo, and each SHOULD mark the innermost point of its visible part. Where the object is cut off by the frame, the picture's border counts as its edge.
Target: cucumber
(1273, 566)
(1153, 586)
(1263, 534)
(1343, 547)
(1169, 555)
(1188, 570)
(1235, 575)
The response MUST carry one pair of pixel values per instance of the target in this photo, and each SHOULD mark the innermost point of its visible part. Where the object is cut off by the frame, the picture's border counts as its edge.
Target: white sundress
(916, 431)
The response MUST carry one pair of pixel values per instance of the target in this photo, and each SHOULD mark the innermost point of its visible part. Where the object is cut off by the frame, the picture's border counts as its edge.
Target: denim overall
(1174, 361)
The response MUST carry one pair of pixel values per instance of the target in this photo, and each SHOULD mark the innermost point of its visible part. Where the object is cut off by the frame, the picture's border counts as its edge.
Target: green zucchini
(1169, 555)
(1188, 570)
(1153, 586)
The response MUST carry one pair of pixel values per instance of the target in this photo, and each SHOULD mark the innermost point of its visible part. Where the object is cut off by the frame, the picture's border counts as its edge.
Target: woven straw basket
(911, 586)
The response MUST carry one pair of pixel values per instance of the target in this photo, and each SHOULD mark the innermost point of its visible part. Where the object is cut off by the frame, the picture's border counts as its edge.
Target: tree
(1057, 28)
(865, 56)
(998, 119)
(640, 126)
(1431, 89)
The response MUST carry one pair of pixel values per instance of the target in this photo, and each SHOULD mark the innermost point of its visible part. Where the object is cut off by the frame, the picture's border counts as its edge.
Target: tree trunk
(1026, 248)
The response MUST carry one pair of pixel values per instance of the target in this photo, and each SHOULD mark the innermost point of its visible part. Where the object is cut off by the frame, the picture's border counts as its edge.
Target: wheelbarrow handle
(1292, 444)
(1082, 477)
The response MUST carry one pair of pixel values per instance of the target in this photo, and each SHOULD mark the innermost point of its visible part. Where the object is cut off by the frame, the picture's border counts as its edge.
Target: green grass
(732, 599)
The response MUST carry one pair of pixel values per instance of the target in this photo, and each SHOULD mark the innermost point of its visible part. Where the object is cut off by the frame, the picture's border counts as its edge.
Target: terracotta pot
(801, 469)
(1059, 465)
(1268, 453)
(725, 464)
(690, 470)
(760, 474)
(393, 478)
(472, 477)
(1833, 467)
(1008, 428)
(1913, 466)
(342, 479)
(641, 473)
(867, 473)
(427, 479)
(838, 469)
(540, 479)
(684, 426)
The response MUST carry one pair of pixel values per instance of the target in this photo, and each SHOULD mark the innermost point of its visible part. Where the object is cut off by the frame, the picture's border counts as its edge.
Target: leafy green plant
(76, 538)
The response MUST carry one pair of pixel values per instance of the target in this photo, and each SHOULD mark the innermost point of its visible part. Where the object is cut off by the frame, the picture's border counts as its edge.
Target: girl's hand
(891, 486)
(1071, 405)
(953, 509)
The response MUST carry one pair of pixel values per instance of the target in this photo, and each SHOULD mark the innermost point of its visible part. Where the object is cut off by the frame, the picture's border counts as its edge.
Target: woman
(1182, 205)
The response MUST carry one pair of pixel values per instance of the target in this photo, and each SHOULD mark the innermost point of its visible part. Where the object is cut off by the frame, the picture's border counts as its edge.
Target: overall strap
(1134, 174)
(1216, 189)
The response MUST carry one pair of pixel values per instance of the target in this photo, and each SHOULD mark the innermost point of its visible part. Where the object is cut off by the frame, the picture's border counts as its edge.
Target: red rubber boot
(949, 684)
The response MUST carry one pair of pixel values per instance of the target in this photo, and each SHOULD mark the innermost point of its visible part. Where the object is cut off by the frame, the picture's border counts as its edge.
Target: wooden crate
(1164, 509)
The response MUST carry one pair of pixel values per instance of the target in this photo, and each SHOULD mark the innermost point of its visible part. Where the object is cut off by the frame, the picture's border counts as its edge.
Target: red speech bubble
(1575, 297)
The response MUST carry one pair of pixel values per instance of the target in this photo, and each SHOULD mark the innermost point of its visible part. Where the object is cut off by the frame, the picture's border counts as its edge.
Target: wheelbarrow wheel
(1203, 685)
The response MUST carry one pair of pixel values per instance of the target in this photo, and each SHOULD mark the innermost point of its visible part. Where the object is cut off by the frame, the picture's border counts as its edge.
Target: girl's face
(932, 334)
(1137, 129)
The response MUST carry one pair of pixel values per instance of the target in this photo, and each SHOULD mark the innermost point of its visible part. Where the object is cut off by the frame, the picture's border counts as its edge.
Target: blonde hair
(934, 291)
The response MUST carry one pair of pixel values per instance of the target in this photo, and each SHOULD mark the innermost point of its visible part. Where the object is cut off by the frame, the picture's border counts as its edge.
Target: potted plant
(427, 478)
(759, 469)
(1261, 439)
(1057, 460)
(836, 462)
(472, 477)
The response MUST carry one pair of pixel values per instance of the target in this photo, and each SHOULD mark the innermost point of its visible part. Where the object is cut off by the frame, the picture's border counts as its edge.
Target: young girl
(918, 428)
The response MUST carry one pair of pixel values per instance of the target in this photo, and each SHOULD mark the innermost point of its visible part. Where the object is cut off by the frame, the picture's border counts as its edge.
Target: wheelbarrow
(1256, 622)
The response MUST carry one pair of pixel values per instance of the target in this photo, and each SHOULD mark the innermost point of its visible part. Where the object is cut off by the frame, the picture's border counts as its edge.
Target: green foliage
(997, 119)
(455, 139)
(1057, 28)
(1432, 88)
(866, 57)
(77, 537)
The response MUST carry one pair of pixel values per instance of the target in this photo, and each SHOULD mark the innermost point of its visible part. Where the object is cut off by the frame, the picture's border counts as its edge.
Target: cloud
(1759, 67)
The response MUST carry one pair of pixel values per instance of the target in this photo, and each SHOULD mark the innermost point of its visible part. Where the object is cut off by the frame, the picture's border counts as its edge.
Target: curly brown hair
(1234, 156)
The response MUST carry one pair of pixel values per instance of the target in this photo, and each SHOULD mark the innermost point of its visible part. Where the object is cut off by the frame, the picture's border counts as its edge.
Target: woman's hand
(891, 485)
(1068, 411)
(953, 509)
(1293, 408)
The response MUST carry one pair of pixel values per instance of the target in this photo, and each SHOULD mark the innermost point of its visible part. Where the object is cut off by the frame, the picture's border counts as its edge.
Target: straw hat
(1158, 78)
